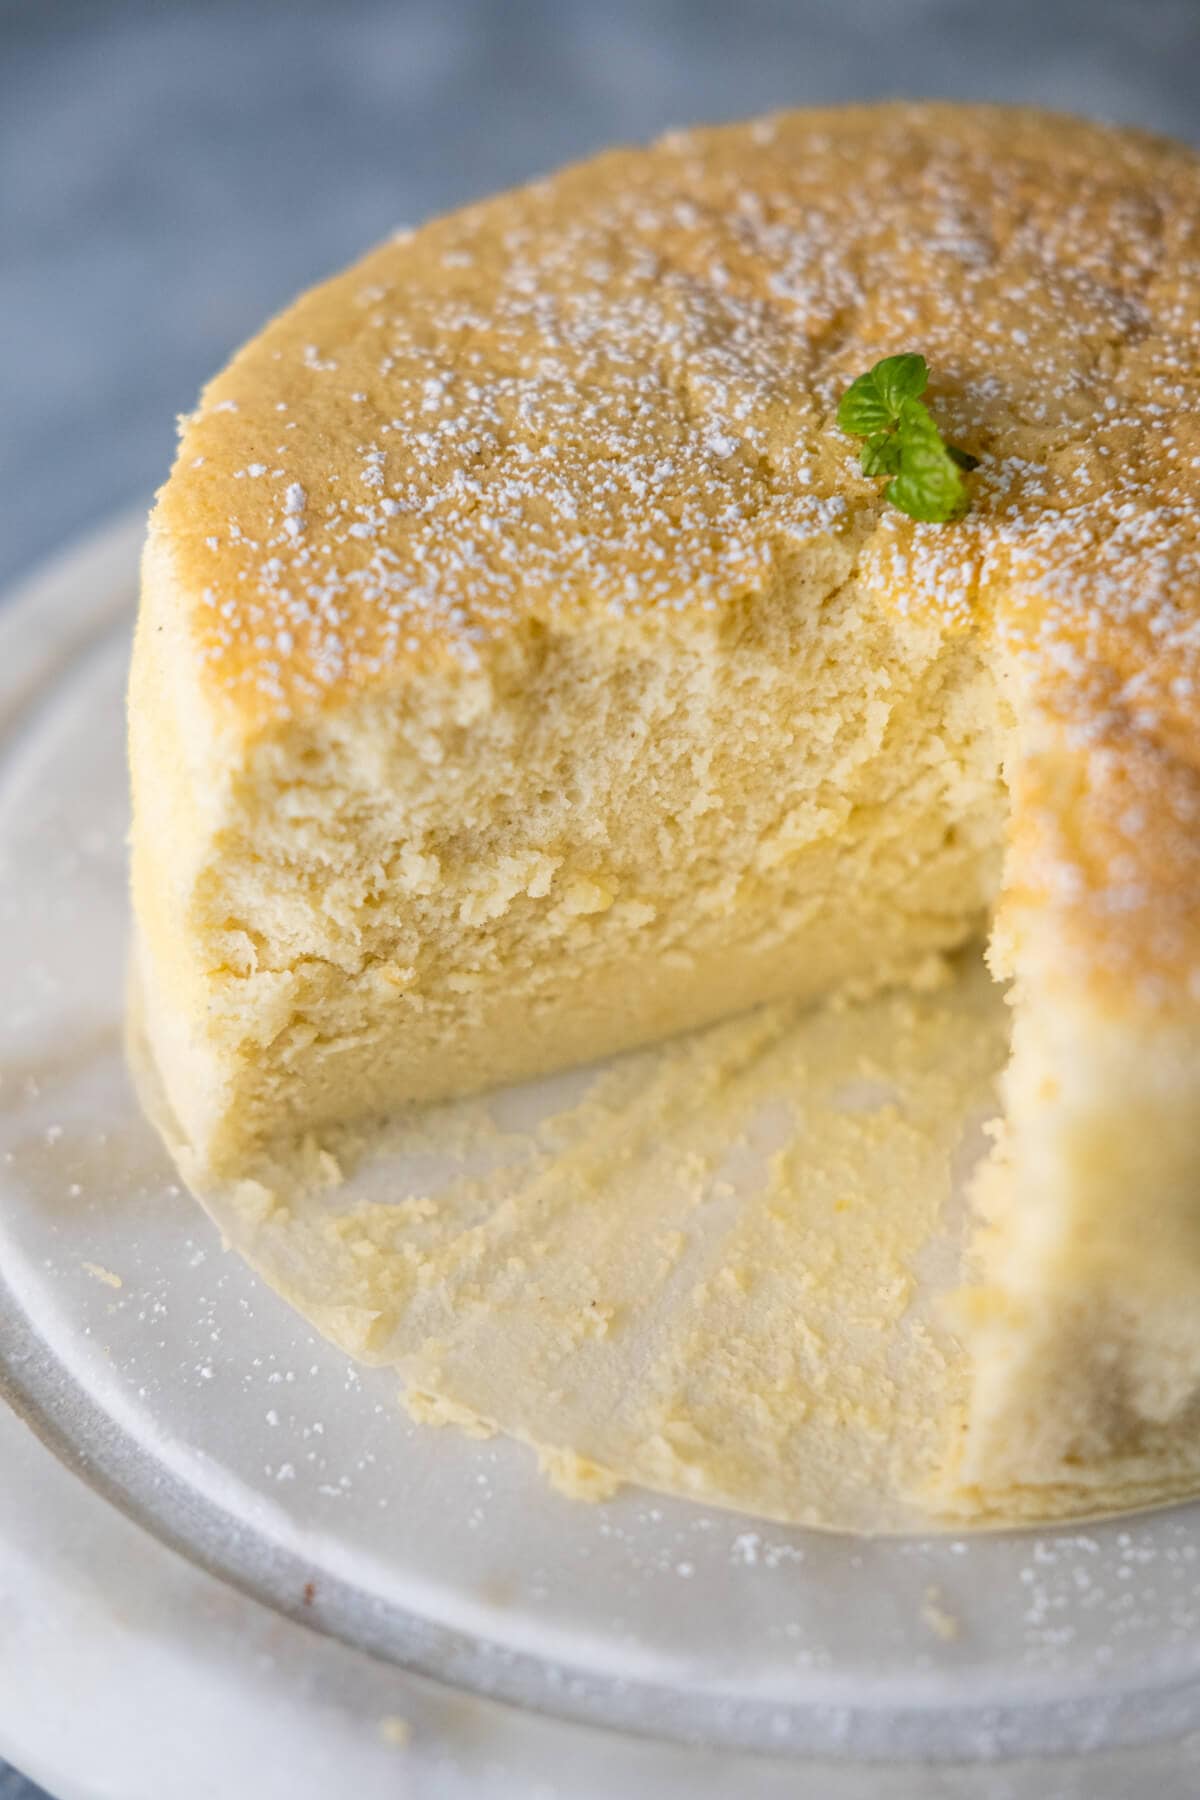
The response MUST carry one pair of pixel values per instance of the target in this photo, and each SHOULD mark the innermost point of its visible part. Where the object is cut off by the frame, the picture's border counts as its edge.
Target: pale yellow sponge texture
(607, 839)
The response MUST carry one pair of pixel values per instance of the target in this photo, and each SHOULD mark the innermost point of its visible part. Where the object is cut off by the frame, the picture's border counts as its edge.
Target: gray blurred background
(172, 171)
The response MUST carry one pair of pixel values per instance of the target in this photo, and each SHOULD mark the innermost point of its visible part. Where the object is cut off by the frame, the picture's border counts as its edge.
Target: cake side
(1082, 1311)
(1082, 1319)
(182, 769)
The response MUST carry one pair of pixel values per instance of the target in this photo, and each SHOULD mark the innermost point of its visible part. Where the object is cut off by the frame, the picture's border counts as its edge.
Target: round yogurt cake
(526, 671)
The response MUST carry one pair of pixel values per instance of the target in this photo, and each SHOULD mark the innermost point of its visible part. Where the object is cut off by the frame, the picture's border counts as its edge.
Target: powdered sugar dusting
(613, 392)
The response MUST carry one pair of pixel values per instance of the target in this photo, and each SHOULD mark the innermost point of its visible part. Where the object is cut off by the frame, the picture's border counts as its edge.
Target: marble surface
(172, 173)
(14, 1787)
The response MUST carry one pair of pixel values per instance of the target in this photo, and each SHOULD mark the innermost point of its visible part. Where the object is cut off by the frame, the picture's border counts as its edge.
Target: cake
(526, 670)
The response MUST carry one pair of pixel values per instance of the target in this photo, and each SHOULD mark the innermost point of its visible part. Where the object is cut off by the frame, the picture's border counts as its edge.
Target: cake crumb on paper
(99, 1273)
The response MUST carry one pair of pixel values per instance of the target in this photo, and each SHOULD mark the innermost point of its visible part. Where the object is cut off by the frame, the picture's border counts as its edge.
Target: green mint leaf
(901, 378)
(929, 485)
(863, 411)
(903, 442)
(873, 402)
(881, 454)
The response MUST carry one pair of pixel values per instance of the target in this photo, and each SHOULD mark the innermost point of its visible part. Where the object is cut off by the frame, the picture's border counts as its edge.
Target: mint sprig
(903, 442)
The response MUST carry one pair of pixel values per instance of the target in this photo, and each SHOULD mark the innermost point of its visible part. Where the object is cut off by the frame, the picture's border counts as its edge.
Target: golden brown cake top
(614, 391)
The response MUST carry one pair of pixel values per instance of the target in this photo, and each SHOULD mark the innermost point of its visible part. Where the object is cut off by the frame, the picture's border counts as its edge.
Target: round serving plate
(229, 1563)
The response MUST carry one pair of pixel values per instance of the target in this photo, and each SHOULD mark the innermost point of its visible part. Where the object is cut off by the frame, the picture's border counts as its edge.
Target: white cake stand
(229, 1565)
